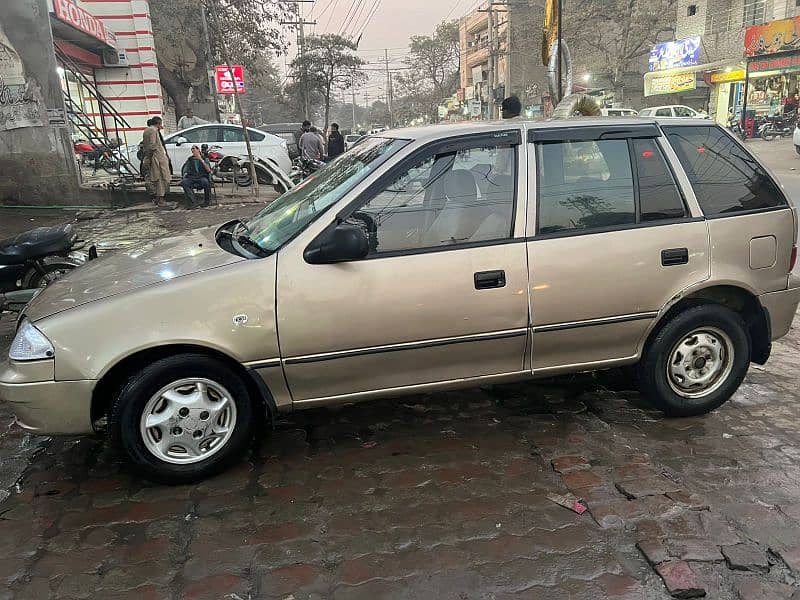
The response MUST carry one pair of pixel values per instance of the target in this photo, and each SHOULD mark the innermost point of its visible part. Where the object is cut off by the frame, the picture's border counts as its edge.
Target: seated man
(196, 174)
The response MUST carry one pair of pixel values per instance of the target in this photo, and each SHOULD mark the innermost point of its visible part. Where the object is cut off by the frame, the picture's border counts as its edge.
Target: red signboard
(223, 78)
(76, 17)
(772, 37)
(792, 61)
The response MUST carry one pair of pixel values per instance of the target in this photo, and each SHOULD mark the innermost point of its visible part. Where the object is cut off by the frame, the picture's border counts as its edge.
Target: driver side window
(447, 199)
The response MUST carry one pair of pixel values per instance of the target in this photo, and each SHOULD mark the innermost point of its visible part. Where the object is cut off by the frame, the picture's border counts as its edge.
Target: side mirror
(345, 243)
(180, 140)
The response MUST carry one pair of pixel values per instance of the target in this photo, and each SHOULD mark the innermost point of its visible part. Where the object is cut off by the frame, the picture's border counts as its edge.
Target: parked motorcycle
(735, 126)
(34, 259)
(777, 126)
(303, 168)
(232, 168)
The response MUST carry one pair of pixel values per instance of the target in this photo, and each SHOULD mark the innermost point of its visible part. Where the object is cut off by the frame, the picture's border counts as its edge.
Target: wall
(37, 164)
(135, 91)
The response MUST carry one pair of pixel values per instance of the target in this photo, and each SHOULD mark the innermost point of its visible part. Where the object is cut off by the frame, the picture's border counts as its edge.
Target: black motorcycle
(36, 258)
(777, 126)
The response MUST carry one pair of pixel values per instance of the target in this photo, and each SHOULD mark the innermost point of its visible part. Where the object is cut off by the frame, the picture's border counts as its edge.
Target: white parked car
(230, 139)
(352, 139)
(673, 110)
(796, 138)
(618, 112)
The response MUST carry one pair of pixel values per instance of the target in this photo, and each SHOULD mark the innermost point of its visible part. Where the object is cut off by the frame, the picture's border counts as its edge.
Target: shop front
(773, 71)
(106, 61)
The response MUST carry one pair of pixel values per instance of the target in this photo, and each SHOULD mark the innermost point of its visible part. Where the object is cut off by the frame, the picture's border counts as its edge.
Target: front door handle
(487, 280)
(674, 256)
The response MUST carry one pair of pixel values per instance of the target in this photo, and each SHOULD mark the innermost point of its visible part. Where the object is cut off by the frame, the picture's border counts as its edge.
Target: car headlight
(30, 344)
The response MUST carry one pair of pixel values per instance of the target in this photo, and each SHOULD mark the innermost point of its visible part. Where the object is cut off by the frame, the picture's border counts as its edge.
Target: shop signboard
(74, 16)
(776, 36)
(783, 62)
(223, 79)
(475, 108)
(675, 54)
(727, 76)
(671, 84)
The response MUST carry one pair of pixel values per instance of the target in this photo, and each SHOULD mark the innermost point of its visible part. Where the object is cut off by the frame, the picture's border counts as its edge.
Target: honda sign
(223, 79)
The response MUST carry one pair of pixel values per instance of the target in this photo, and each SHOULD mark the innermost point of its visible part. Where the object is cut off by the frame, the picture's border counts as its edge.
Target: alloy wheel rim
(700, 363)
(188, 421)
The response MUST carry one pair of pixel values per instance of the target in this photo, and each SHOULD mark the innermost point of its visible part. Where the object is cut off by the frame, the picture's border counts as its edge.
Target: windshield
(289, 214)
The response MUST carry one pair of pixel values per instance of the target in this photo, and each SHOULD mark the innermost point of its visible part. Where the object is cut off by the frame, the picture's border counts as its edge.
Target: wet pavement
(449, 495)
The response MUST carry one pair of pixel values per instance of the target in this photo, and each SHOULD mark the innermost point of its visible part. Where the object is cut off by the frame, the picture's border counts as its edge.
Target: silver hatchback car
(421, 260)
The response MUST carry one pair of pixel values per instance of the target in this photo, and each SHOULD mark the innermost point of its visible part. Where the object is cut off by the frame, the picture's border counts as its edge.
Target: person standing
(157, 161)
(311, 147)
(335, 142)
(196, 174)
(189, 120)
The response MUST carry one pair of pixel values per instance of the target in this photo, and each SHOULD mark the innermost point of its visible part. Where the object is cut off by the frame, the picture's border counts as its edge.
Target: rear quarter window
(725, 177)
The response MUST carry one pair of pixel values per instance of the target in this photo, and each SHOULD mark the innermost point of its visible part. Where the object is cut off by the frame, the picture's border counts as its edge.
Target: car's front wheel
(182, 419)
(696, 361)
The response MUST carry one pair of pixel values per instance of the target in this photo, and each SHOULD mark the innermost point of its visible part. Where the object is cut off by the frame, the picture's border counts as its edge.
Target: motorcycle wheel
(767, 135)
(52, 272)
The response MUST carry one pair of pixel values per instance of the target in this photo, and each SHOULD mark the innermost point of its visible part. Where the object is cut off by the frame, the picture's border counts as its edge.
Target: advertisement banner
(74, 16)
(223, 79)
(727, 76)
(772, 37)
(475, 108)
(791, 61)
(672, 84)
(676, 54)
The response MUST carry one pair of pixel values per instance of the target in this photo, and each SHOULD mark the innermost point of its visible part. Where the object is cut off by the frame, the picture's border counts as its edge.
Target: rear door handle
(487, 280)
(674, 256)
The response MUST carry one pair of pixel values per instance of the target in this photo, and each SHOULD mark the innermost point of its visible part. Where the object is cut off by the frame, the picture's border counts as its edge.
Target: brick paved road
(436, 496)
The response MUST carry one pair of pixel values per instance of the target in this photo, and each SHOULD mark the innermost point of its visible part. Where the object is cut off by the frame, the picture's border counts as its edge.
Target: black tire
(767, 135)
(52, 272)
(132, 398)
(655, 383)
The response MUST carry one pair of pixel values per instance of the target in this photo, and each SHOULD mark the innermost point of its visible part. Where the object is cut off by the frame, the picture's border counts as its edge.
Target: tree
(328, 65)
(437, 58)
(617, 34)
(432, 75)
(185, 53)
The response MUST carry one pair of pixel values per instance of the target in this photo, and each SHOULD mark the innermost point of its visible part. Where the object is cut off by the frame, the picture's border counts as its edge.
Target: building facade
(500, 56)
(720, 73)
(70, 71)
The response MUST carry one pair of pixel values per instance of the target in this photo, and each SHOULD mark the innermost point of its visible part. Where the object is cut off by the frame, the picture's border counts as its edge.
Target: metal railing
(110, 121)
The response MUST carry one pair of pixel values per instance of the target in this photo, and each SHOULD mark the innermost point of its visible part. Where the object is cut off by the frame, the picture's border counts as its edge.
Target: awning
(678, 80)
(75, 25)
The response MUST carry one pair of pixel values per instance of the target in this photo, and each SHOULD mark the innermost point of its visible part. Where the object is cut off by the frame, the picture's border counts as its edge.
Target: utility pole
(509, 89)
(237, 102)
(389, 88)
(492, 79)
(354, 110)
(559, 54)
(301, 47)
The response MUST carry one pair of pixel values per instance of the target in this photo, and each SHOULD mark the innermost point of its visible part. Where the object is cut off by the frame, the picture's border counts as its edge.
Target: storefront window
(767, 95)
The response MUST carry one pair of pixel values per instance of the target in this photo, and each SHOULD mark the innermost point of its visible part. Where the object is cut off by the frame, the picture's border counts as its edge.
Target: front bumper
(781, 307)
(47, 407)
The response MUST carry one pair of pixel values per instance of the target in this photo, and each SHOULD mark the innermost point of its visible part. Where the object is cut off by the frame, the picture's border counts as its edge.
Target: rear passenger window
(658, 193)
(725, 178)
(584, 185)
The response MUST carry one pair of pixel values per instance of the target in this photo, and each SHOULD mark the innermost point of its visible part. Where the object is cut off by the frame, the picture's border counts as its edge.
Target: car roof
(434, 132)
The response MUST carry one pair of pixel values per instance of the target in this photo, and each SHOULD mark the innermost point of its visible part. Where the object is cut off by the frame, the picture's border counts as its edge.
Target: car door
(442, 296)
(664, 112)
(180, 153)
(613, 238)
(232, 140)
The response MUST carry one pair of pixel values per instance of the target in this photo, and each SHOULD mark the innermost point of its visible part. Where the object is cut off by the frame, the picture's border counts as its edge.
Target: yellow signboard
(725, 77)
(672, 84)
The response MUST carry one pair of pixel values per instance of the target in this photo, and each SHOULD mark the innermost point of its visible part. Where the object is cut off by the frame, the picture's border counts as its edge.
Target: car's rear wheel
(696, 361)
(182, 419)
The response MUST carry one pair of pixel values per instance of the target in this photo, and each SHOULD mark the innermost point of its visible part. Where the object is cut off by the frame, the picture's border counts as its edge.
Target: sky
(389, 25)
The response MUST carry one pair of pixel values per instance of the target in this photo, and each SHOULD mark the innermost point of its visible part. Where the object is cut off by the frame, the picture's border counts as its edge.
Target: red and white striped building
(110, 43)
